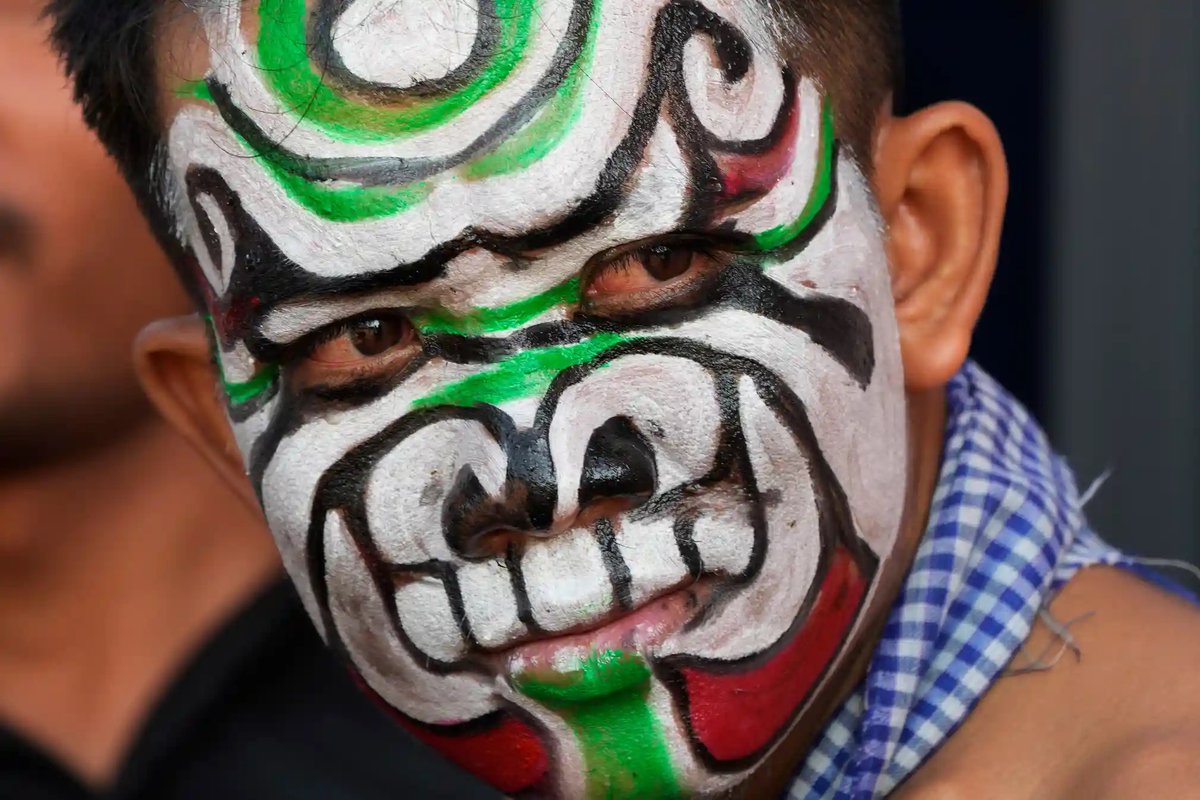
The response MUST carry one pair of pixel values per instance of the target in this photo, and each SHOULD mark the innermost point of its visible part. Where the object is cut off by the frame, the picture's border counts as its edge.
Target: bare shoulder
(1139, 645)
(1120, 721)
(1162, 763)
(1141, 660)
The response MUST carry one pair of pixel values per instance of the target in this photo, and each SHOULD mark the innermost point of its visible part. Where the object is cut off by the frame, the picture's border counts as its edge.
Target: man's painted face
(559, 343)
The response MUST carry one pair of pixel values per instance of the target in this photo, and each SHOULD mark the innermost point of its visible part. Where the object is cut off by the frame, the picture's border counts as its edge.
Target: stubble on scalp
(851, 48)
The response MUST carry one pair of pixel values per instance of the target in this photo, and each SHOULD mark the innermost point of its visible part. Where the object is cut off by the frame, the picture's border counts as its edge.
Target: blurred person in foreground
(601, 370)
(148, 648)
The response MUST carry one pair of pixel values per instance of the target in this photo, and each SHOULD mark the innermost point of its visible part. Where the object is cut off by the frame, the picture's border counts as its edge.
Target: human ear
(175, 366)
(941, 181)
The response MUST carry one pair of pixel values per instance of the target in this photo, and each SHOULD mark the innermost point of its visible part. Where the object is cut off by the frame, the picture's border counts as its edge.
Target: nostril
(476, 525)
(618, 464)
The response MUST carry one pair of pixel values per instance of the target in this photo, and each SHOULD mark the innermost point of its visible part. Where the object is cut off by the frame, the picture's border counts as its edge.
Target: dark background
(1093, 320)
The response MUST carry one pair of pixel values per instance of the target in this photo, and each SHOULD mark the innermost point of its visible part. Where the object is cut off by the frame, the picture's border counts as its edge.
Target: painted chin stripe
(624, 752)
(736, 711)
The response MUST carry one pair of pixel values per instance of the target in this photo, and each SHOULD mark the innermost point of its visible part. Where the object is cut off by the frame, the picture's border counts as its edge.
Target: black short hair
(854, 49)
(851, 47)
(107, 48)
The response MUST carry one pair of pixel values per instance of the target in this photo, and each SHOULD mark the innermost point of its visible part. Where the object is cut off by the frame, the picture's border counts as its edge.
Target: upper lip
(603, 621)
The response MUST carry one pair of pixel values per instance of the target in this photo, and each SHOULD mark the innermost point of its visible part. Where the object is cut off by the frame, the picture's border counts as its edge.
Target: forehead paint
(472, 172)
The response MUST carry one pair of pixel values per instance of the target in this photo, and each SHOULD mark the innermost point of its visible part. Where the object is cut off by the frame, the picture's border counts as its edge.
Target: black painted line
(512, 560)
(614, 563)
(685, 531)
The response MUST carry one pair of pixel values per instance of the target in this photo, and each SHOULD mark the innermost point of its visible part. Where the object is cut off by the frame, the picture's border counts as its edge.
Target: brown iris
(363, 348)
(648, 278)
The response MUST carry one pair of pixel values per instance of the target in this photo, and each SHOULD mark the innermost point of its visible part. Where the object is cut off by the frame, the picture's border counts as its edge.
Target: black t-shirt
(264, 711)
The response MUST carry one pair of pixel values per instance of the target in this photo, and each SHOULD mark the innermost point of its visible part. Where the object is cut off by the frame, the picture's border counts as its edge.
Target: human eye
(368, 346)
(650, 277)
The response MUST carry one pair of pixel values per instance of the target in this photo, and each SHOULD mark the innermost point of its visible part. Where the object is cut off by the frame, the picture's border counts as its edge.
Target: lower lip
(558, 661)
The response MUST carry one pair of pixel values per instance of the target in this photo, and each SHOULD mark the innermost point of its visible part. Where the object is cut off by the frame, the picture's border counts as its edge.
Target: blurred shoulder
(1138, 678)
(1120, 721)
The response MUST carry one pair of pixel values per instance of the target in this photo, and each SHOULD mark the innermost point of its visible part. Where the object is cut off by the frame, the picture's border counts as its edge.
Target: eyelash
(304, 347)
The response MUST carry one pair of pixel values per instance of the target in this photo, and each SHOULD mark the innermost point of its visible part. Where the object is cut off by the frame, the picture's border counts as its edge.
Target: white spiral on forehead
(743, 110)
(512, 203)
(400, 43)
(523, 200)
(234, 64)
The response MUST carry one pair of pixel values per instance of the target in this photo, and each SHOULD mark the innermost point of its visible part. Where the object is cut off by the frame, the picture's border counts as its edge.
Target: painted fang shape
(583, 537)
(769, 690)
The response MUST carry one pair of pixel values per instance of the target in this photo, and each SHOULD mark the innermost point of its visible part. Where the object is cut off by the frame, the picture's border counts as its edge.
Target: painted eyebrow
(293, 320)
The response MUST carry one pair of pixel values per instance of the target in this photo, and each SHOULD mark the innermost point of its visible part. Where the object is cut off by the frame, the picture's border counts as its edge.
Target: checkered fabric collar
(1005, 532)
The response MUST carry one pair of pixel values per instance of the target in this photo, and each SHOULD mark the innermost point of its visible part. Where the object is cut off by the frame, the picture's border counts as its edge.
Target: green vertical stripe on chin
(819, 195)
(605, 702)
(284, 60)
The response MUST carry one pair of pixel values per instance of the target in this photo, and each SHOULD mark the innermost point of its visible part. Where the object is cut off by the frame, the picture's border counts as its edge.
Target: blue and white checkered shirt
(1006, 531)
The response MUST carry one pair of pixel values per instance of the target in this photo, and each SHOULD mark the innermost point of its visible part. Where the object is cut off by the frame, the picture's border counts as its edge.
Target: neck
(113, 568)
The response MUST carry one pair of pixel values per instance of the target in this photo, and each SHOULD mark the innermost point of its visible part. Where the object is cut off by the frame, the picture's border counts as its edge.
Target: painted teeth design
(567, 581)
(653, 556)
(428, 619)
(490, 604)
(571, 581)
(360, 622)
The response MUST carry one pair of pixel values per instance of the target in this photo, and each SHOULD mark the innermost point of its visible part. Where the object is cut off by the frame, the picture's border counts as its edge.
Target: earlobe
(174, 365)
(941, 181)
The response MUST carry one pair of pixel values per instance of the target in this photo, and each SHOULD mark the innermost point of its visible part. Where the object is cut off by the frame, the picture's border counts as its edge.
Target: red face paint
(501, 749)
(753, 175)
(736, 713)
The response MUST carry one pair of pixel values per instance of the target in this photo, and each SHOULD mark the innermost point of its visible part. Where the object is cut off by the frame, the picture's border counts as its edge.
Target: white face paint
(560, 345)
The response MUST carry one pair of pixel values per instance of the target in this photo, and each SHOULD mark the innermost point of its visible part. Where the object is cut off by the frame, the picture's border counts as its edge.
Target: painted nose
(618, 473)
(478, 525)
(618, 467)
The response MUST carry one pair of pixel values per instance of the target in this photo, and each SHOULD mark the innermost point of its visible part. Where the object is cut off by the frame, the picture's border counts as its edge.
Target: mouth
(628, 584)
(557, 660)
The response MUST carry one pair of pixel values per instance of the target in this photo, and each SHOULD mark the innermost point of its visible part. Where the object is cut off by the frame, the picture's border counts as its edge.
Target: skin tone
(119, 549)
(939, 182)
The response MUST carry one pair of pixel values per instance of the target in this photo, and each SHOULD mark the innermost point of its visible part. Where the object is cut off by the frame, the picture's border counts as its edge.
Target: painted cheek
(737, 714)
(501, 749)
(509, 756)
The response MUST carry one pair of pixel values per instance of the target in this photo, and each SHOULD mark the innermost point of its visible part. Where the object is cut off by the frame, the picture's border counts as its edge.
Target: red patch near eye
(501, 750)
(734, 715)
(753, 175)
